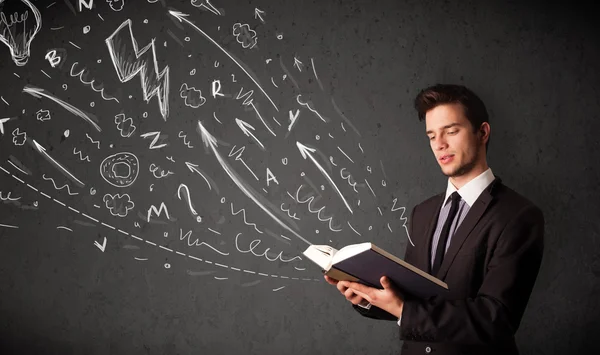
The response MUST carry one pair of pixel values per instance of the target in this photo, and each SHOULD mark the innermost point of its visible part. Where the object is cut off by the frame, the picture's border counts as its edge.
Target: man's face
(454, 144)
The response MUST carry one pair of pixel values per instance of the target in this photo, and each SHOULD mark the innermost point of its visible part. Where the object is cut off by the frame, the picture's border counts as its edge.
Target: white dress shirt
(469, 193)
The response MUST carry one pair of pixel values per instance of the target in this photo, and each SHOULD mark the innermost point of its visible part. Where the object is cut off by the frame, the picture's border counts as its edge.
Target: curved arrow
(258, 199)
(305, 151)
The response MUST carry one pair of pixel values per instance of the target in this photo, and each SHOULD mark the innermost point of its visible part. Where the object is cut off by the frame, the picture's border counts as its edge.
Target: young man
(482, 238)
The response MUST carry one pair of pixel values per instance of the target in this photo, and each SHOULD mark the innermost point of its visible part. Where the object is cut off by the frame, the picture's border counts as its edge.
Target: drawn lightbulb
(18, 27)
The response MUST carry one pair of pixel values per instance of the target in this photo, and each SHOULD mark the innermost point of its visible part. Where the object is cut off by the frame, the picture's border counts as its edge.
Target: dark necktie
(441, 246)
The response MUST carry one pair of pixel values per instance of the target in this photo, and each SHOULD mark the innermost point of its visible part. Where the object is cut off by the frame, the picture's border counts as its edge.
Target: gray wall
(65, 291)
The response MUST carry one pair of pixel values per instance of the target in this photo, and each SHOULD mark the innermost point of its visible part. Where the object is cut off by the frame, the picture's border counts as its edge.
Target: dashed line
(147, 241)
(165, 248)
(16, 178)
(108, 225)
(92, 218)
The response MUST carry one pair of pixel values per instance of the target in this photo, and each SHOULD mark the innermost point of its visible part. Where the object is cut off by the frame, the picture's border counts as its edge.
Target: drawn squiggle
(184, 141)
(188, 236)
(254, 244)
(288, 212)
(89, 83)
(95, 142)
(245, 221)
(8, 198)
(81, 157)
(310, 200)
(59, 188)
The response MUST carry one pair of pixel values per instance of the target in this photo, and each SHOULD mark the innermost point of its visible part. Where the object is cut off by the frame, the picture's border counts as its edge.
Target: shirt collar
(471, 190)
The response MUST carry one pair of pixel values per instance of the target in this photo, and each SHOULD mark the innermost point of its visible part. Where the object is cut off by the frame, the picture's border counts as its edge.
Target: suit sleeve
(376, 312)
(494, 315)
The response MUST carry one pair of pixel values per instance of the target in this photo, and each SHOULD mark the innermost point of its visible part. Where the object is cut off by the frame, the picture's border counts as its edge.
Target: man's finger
(330, 280)
(360, 287)
(361, 294)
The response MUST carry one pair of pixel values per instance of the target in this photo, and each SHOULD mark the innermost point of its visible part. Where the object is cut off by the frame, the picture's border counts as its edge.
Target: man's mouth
(446, 158)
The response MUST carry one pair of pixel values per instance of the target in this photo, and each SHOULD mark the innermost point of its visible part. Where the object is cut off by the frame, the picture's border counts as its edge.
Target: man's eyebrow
(445, 127)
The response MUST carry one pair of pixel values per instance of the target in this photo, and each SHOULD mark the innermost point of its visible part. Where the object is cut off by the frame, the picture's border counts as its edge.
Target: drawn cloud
(124, 125)
(43, 115)
(192, 96)
(19, 138)
(118, 205)
(247, 35)
(116, 5)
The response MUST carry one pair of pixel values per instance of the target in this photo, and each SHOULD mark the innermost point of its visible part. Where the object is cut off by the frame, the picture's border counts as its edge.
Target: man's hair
(440, 94)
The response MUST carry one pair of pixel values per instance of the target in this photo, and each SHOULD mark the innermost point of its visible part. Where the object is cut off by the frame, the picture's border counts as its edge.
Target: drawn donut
(120, 169)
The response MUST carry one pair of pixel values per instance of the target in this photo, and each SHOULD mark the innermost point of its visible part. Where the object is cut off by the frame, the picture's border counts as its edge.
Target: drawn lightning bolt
(130, 61)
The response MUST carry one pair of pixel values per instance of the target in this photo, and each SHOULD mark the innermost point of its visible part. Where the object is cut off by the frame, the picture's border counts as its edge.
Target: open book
(366, 263)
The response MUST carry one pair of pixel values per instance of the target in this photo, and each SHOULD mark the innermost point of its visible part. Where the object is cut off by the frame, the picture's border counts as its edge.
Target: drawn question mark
(189, 201)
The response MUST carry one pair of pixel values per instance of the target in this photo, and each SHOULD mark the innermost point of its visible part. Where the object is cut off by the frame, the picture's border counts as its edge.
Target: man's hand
(389, 299)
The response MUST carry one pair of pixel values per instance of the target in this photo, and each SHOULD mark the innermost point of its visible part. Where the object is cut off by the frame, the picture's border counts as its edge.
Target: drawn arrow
(257, 13)
(306, 152)
(298, 64)
(182, 17)
(258, 199)
(2, 120)
(194, 168)
(246, 127)
(65, 172)
(101, 246)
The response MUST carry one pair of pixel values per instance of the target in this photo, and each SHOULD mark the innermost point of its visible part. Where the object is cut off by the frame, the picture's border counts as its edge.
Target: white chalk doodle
(83, 72)
(83, 3)
(349, 178)
(243, 211)
(120, 169)
(81, 157)
(8, 197)
(211, 142)
(247, 130)
(130, 61)
(124, 125)
(118, 204)
(182, 18)
(402, 218)
(194, 168)
(158, 172)
(102, 246)
(298, 64)
(306, 153)
(244, 35)
(53, 58)
(18, 138)
(158, 212)
(2, 121)
(238, 157)
(206, 5)
(288, 212)
(43, 115)
(18, 29)
(307, 105)
(38, 92)
(184, 136)
(116, 5)
(59, 188)
(56, 164)
(192, 96)
(153, 144)
(189, 201)
(197, 242)
(97, 143)
(258, 13)
(271, 176)
(309, 201)
(254, 244)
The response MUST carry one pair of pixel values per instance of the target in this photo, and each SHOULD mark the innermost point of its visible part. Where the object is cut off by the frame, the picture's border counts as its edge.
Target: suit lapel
(467, 225)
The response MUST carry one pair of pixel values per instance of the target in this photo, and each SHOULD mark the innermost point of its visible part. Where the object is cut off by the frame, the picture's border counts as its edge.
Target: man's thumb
(385, 282)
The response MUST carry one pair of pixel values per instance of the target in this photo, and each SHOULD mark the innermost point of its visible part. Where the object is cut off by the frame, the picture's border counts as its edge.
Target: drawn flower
(193, 97)
(117, 204)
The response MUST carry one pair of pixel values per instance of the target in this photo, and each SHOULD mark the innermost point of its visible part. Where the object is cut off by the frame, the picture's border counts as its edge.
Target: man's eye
(452, 132)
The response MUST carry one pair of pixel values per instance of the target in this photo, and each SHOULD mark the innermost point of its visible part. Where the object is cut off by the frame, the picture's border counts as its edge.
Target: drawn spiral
(120, 169)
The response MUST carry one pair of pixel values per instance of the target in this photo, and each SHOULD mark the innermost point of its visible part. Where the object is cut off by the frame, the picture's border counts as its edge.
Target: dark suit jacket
(490, 267)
